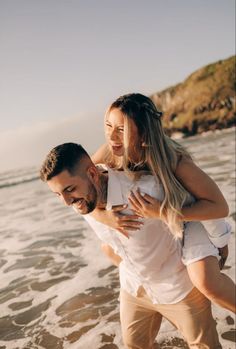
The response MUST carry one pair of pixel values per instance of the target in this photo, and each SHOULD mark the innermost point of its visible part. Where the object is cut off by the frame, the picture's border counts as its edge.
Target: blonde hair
(157, 153)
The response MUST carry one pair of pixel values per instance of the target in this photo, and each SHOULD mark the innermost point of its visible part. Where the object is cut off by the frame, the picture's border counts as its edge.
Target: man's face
(75, 190)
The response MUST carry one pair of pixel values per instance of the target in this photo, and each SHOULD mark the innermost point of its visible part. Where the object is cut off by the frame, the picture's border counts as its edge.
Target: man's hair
(63, 157)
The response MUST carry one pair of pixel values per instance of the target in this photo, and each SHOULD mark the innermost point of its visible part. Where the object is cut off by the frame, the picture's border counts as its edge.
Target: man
(154, 282)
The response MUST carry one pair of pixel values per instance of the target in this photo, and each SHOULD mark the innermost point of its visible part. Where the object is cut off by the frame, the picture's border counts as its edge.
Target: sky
(63, 62)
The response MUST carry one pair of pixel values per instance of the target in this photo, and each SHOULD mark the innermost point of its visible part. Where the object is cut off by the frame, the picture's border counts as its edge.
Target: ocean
(57, 290)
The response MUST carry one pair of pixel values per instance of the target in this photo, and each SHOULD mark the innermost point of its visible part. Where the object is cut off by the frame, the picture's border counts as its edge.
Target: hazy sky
(62, 62)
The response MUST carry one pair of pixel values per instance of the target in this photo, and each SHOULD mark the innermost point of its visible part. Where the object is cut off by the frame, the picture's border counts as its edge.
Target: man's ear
(92, 173)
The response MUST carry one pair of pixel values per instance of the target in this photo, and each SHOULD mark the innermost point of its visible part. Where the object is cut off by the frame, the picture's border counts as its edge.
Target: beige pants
(141, 320)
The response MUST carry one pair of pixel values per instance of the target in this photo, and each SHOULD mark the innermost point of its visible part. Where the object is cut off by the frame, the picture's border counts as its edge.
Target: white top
(219, 231)
(151, 257)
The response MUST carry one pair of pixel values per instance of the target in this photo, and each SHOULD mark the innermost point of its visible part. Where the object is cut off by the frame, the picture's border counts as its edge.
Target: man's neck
(102, 190)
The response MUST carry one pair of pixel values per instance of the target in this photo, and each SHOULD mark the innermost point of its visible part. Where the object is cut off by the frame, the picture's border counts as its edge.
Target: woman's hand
(144, 205)
(223, 252)
(115, 219)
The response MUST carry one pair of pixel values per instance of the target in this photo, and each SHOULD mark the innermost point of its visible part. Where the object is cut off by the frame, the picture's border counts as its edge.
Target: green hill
(204, 101)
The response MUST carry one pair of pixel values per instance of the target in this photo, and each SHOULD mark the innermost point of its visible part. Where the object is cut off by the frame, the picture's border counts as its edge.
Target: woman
(136, 142)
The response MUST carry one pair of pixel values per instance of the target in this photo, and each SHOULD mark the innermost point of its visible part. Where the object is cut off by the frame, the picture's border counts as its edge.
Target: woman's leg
(217, 287)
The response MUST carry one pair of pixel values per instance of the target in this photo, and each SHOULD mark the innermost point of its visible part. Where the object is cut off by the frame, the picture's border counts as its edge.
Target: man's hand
(223, 252)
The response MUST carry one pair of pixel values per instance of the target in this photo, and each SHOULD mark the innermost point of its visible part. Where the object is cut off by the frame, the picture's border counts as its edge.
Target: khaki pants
(141, 320)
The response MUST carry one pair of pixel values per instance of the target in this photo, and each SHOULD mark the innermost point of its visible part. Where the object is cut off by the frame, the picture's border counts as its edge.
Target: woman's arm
(99, 156)
(210, 202)
(114, 218)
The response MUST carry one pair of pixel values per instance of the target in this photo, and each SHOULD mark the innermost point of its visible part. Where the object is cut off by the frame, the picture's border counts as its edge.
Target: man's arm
(109, 252)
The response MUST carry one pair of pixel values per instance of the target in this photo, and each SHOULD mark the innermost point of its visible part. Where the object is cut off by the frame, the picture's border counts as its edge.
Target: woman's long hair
(155, 151)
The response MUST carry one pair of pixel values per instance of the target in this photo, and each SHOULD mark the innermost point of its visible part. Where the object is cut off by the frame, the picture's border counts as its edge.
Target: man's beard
(90, 203)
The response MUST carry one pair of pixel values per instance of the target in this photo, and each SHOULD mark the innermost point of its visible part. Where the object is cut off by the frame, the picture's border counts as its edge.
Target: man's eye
(108, 125)
(120, 129)
(69, 190)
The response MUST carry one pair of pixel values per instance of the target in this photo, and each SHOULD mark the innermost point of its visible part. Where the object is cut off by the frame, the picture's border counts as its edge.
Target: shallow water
(57, 290)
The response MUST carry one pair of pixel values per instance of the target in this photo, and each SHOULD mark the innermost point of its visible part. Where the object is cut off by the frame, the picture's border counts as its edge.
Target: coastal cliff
(204, 101)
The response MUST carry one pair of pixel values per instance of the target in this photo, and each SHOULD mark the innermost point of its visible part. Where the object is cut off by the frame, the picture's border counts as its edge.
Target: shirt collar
(114, 191)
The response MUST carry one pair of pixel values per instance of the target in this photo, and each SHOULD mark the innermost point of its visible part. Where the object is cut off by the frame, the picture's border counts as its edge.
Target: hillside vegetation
(204, 101)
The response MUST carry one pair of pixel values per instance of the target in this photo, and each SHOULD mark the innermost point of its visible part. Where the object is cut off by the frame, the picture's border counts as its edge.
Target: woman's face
(114, 130)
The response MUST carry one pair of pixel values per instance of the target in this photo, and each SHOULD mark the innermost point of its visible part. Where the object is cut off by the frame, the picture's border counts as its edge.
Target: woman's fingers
(134, 205)
(129, 221)
(128, 227)
(125, 222)
(118, 208)
(223, 252)
(129, 217)
(141, 197)
(145, 199)
(139, 203)
(141, 200)
(134, 200)
(149, 199)
(123, 232)
(132, 224)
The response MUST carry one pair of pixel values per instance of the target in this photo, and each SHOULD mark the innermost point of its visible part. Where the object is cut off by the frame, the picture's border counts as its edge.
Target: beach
(58, 291)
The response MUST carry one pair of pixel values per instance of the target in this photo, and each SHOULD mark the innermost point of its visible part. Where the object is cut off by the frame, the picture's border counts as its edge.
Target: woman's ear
(142, 141)
(144, 144)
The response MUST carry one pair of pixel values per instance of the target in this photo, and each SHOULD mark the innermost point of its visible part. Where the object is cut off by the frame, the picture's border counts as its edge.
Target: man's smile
(78, 203)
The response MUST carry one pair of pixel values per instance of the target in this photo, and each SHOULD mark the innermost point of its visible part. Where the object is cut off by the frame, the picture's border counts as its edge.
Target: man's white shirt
(152, 257)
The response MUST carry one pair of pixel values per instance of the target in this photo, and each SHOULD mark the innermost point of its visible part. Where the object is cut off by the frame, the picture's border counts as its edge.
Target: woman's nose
(114, 135)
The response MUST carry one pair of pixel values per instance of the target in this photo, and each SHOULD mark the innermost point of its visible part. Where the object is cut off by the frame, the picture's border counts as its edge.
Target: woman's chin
(117, 151)
(120, 154)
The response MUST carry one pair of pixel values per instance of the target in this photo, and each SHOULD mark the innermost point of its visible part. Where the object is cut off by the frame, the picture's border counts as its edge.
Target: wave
(195, 144)
(11, 184)
(17, 177)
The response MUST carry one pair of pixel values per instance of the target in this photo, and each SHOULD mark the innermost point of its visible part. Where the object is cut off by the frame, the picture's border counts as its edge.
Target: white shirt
(151, 257)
